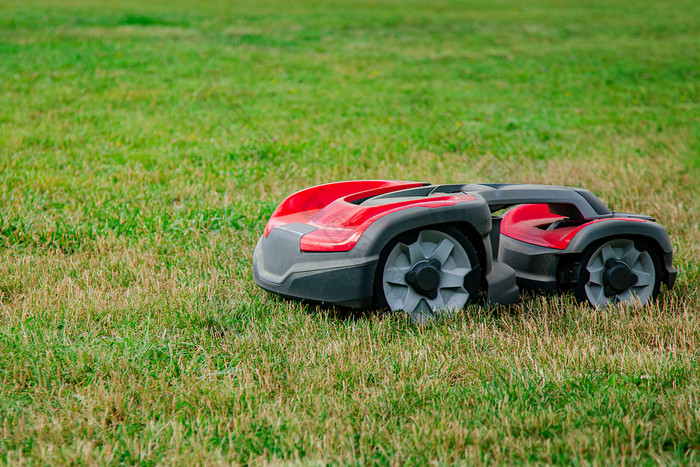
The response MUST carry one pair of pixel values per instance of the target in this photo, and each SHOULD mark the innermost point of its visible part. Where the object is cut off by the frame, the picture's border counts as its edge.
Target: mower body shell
(323, 244)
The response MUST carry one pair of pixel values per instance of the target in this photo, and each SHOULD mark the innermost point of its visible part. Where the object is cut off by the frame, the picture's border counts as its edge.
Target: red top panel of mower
(335, 210)
(529, 222)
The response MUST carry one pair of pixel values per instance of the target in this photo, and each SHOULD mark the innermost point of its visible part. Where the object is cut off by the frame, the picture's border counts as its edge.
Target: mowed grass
(143, 146)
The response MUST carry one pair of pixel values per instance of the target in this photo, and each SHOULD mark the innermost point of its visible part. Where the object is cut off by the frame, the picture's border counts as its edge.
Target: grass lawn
(143, 145)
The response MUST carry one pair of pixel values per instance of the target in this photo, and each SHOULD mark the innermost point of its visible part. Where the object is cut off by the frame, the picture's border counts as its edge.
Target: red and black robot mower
(428, 248)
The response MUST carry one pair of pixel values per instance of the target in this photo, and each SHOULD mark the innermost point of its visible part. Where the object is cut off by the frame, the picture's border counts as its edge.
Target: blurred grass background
(144, 145)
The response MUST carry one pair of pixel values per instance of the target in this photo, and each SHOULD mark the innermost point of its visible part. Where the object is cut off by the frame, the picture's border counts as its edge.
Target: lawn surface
(143, 145)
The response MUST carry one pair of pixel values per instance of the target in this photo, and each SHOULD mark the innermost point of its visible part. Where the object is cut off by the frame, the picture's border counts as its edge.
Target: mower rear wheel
(618, 271)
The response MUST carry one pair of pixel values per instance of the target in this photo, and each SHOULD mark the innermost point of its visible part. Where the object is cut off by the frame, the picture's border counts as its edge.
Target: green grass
(143, 146)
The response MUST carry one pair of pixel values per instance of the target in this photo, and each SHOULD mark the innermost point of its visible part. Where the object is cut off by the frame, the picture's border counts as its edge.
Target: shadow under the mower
(528, 301)
(338, 314)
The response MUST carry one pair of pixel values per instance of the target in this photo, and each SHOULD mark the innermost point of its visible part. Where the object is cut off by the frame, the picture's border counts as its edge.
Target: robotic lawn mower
(429, 248)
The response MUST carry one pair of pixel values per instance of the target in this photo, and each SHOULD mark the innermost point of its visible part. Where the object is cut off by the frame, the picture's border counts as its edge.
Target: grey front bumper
(343, 278)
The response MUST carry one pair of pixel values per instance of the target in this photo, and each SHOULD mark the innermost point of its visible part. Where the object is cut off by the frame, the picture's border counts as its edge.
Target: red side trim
(303, 205)
(523, 223)
(341, 224)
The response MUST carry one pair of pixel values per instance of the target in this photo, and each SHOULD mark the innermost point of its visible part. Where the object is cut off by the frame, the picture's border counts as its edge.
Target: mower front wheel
(427, 273)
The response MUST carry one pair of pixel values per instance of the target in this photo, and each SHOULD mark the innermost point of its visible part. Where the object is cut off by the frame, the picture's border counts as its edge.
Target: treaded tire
(586, 288)
(462, 257)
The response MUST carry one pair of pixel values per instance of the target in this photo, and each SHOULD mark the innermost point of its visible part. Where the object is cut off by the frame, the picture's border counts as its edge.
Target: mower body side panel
(535, 266)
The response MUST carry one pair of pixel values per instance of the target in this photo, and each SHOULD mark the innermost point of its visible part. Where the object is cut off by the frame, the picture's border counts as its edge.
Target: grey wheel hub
(424, 277)
(617, 277)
